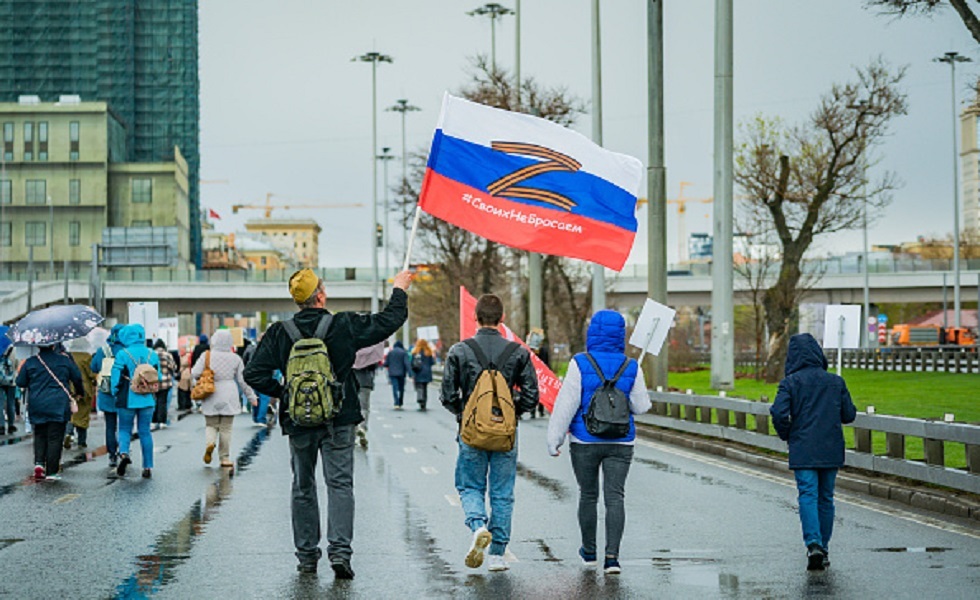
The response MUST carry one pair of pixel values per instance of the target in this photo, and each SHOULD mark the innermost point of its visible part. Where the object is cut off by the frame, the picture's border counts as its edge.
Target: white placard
(652, 327)
(429, 333)
(846, 334)
(146, 314)
(168, 332)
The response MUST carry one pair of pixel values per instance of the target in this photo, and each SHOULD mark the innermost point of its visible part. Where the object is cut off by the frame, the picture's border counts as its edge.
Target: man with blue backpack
(601, 392)
(319, 408)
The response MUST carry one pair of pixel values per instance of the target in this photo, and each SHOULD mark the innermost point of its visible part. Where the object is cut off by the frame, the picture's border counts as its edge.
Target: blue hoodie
(106, 403)
(398, 361)
(606, 342)
(134, 351)
(810, 407)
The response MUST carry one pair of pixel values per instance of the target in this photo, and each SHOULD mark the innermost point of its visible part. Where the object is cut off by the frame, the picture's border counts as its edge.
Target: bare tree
(811, 180)
(901, 8)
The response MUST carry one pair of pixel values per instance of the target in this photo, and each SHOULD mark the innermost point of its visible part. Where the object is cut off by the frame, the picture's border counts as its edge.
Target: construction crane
(681, 203)
(268, 207)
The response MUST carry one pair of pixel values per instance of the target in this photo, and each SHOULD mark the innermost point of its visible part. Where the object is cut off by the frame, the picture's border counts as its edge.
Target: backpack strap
(622, 369)
(595, 365)
(506, 352)
(323, 326)
(292, 330)
(481, 356)
(619, 373)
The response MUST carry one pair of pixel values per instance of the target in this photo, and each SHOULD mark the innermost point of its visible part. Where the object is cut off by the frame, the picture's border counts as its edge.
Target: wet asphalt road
(697, 527)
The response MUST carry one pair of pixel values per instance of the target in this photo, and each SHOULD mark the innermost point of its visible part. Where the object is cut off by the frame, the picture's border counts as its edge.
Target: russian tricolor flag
(531, 184)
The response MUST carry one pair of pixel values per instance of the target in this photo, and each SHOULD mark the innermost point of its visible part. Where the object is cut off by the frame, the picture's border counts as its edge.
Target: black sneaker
(113, 461)
(124, 462)
(815, 557)
(147, 473)
(306, 568)
(11, 429)
(341, 568)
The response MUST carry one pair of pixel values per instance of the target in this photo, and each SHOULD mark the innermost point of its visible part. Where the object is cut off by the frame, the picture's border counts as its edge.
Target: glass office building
(139, 56)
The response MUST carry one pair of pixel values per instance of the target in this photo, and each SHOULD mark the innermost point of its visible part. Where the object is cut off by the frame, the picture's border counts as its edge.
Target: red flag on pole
(212, 214)
(548, 383)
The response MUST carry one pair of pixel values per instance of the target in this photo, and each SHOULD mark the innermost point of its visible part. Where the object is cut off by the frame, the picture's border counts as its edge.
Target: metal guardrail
(943, 359)
(713, 416)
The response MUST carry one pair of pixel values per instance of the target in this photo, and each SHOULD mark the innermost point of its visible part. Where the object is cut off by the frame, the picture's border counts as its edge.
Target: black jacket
(47, 401)
(348, 333)
(462, 370)
(810, 407)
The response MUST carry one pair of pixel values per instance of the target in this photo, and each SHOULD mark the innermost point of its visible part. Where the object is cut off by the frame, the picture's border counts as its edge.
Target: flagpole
(411, 237)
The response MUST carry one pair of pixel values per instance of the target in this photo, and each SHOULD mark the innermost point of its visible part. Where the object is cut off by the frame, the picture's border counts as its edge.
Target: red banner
(548, 383)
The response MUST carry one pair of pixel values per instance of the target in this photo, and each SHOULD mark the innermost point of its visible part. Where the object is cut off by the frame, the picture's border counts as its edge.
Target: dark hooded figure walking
(810, 407)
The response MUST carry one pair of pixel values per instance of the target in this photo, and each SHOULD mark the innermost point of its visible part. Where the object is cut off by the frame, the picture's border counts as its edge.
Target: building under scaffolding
(139, 56)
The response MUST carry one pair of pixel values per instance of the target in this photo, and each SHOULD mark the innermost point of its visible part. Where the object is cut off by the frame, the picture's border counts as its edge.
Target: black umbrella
(55, 324)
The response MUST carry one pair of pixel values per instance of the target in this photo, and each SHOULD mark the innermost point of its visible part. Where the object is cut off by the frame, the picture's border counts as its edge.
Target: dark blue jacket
(606, 342)
(810, 407)
(47, 401)
(398, 361)
(423, 375)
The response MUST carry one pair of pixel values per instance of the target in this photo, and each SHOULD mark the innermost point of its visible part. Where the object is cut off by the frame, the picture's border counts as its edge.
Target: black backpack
(608, 416)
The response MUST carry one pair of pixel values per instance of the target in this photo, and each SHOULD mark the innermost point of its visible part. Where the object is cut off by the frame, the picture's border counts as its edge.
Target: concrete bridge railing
(727, 418)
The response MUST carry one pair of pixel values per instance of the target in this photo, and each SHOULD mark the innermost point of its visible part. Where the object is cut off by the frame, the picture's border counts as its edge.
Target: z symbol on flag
(507, 186)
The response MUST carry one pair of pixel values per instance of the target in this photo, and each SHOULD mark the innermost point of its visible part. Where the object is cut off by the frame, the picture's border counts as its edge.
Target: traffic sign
(882, 318)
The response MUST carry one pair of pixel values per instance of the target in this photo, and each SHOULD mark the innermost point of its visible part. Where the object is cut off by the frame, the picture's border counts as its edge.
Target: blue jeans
(259, 410)
(398, 388)
(111, 429)
(143, 417)
(816, 494)
(474, 469)
(8, 404)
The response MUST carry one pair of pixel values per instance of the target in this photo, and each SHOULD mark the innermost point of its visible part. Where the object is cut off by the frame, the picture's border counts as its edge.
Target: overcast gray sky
(284, 110)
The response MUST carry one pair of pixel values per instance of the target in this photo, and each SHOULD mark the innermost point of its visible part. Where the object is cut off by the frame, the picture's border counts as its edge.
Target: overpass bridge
(224, 292)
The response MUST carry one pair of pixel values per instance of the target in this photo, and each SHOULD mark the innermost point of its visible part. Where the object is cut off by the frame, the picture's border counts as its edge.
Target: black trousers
(48, 438)
(160, 410)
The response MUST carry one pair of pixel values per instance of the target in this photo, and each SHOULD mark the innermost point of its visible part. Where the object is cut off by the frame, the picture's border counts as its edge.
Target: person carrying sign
(322, 430)
(487, 439)
(600, 440)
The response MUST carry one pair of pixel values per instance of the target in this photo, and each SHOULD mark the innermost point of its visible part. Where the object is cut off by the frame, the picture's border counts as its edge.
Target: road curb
(931, 499)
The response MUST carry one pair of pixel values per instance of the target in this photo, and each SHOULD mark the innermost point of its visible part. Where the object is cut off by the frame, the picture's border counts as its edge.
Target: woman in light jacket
(606, 342)
(221, 407)
(422, 357)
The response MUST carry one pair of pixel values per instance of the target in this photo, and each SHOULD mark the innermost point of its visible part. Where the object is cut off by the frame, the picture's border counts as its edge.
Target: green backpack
(313, 394)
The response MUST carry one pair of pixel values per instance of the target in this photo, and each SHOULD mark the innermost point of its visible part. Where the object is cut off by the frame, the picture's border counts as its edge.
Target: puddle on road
(549, 556)
(556, 488)
(7, 542)
(173, 547)
(927, 549)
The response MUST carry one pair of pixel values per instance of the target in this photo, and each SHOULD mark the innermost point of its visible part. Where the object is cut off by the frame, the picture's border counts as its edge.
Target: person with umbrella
(130, 404)
(8, 390)
(47, 377)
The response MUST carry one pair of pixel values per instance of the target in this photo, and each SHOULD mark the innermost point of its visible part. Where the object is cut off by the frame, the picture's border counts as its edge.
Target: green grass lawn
(917, 395)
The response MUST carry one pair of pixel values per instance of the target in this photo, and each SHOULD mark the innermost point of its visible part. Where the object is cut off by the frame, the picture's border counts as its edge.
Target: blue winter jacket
(105, 402)
(47, 401)
(134, 351)
(810, 407)
(423, 375)
(606, 342)
(398, 361)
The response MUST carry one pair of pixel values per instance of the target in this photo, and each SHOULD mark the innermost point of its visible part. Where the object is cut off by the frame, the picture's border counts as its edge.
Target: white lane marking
(452, 499)
(429, 470)
(410, 450)
(387, 425)
(67, 498)
(843, 496)
(398, 436)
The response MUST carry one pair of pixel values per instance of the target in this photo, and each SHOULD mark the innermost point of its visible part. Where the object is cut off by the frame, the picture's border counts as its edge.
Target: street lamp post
(494, 11)
(952, 58)
(598, 271)
(384, 157)
(374, 58)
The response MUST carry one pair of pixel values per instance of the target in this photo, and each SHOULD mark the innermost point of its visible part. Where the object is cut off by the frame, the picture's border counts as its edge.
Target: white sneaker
(481, 539)
(495, 562)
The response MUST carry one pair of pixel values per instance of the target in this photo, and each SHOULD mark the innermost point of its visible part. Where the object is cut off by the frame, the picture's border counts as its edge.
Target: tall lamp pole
(494, 11)
(598, 271)
(952, 58)
(374, 58)
(402, 106)
(656, 176)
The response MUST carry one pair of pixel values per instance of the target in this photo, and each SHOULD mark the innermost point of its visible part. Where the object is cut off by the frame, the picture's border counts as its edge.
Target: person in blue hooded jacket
(105, 402)
(399, 363)
(605, 344)
(130, 405)
(810, 407)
